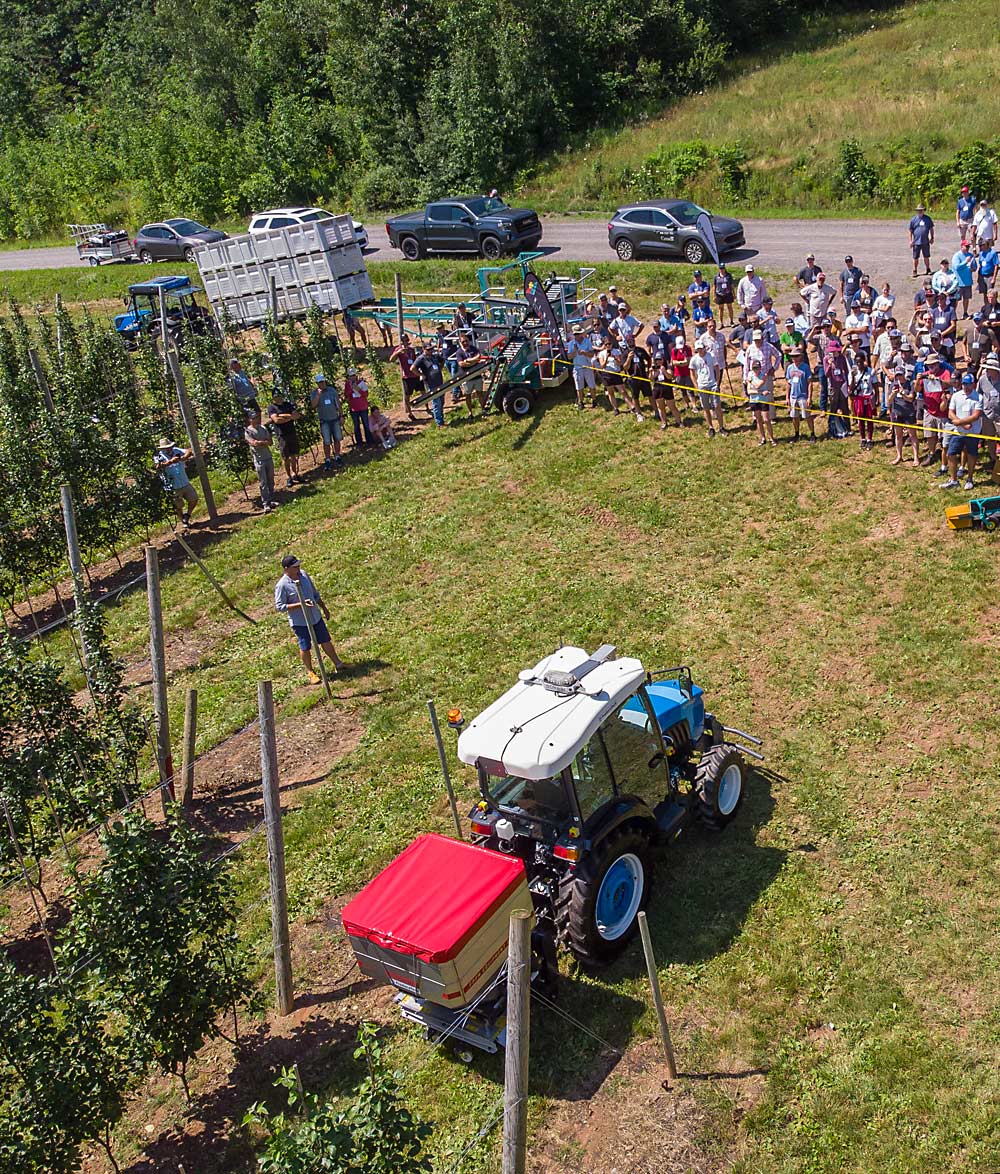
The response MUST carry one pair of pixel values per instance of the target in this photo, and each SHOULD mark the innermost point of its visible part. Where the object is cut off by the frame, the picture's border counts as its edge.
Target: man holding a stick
(296, 595)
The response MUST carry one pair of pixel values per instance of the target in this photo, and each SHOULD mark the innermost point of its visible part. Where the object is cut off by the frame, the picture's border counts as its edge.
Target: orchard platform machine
(584, 766)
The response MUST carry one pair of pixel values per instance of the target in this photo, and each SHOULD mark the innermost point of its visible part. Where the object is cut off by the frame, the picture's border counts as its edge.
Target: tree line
(215, 109)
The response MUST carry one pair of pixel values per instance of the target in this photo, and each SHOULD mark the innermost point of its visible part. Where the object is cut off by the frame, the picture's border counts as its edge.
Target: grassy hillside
(913, 85)
(836, 947)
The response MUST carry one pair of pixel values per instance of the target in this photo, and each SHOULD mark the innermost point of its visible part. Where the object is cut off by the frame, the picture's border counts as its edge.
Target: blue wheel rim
(619, 897)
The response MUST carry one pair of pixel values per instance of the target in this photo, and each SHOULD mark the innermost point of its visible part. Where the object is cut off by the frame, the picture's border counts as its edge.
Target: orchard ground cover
(829, 961)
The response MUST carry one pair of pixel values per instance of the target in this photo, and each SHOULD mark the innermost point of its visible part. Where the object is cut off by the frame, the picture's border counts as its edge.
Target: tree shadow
(323, 1049)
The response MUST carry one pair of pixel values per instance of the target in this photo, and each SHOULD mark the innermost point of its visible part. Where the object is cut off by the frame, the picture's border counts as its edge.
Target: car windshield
(540, 799)
(316, 214)
(187, 227)
(482, 205)
(686, 213)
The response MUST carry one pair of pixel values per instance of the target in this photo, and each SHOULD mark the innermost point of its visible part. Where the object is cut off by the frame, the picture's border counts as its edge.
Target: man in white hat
(751, 291)
(705, 372)
(168, 460)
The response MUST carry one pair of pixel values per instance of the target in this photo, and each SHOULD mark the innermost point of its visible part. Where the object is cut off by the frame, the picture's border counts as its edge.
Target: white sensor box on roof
(540, 724)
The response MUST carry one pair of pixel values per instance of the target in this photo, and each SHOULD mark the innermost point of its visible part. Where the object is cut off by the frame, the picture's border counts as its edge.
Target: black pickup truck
(468, 224)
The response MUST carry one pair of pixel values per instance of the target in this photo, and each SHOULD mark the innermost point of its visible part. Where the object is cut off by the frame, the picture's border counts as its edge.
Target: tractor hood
(540, 724)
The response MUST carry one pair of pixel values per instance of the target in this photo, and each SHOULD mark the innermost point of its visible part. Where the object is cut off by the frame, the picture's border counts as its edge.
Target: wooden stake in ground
(275, 848)
(164, 336)
(158, 672)
(515, 1088)
(399, 305)
(654, 986)
(191, 427)
(43, 383)
(187, 753)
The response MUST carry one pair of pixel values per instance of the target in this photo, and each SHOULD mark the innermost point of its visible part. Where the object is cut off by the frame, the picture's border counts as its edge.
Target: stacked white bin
(319, 263)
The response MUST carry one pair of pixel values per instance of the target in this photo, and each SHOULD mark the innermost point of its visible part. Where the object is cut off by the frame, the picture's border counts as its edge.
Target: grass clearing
(921, 77)
(841, 936)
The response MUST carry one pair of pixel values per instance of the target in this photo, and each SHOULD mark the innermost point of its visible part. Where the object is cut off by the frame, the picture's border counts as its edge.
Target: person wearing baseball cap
(169, 461)
(850, 282)
(965, 415)
(984, 227)
(965, 211)
(988, 386)
(807, 274)
(705, 372)
(699, 290)
(921, 230)
(798, 375)
(725, 293)
(751, 291)
(296, 595)
(902, 399)
(790, 338)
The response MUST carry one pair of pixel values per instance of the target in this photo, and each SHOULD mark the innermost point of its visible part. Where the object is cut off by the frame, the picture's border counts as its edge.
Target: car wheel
(695, 252)
(490, 248)
(145, 256)
(189, 255)
(409, 246)
(94, 262)
(625, 249)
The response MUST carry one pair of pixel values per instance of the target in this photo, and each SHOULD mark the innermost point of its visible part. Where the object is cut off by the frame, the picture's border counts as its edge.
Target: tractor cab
(142, 314)
(585, 754)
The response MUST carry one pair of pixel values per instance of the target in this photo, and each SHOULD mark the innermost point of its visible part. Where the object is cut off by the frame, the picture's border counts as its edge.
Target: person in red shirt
(935, 387)
(680, 361)
(406, 355)
(356, 394)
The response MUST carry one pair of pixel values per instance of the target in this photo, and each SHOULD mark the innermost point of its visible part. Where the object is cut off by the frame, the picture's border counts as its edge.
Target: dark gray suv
(173, 240)
(669, 228)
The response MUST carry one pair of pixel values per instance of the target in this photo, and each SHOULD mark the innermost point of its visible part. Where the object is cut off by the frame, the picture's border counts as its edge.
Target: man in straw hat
(168, 461)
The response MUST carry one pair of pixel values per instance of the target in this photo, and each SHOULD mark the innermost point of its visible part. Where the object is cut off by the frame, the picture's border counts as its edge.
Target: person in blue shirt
(699, 291)
(169, 461)
(294, 593)
(700, 316)
(963, 265)
(965, 210)
(921, 229)
(988, 263)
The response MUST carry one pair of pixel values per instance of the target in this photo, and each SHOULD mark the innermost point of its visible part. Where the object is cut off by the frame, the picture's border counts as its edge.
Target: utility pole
(515, 1088)
(275, 849)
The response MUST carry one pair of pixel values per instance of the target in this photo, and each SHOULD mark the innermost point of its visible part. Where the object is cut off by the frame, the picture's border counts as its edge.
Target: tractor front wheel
(719, 783)
(600, 902)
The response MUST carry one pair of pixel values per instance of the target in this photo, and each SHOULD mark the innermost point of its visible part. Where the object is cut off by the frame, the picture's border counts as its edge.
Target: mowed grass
(842, 934)
(925, 73)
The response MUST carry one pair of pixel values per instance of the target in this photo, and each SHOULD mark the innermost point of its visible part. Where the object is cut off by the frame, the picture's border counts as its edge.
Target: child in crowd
(381, 427)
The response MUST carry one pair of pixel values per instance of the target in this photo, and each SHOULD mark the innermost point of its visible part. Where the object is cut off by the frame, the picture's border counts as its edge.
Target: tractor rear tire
(519, 403)
(599, 904)
(719, 785)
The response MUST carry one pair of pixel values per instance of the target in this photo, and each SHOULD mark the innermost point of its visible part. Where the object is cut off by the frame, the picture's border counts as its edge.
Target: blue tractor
(584, 765)
(184, 315)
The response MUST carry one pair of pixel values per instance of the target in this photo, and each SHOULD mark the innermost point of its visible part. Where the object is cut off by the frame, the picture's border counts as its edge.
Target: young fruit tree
(154, 928)
(63, 1077)
(374, 1134)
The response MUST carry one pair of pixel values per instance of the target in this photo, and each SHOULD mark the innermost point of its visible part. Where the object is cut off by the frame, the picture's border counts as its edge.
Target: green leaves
(154, 928)
(374, 1133)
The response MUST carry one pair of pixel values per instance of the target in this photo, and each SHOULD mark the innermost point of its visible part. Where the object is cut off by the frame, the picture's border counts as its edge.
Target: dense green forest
(213, 108)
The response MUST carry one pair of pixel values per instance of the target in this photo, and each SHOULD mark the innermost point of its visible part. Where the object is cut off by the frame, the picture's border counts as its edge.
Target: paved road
(878, 246)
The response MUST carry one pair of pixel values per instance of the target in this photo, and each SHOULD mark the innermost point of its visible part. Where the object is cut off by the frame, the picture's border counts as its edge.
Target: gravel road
(878, 246)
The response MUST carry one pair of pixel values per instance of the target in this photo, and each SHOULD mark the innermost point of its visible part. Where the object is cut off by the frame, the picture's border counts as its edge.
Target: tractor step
(671, 817)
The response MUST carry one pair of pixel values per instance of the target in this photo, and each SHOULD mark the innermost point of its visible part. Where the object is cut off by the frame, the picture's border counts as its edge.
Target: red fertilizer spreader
(434, 924)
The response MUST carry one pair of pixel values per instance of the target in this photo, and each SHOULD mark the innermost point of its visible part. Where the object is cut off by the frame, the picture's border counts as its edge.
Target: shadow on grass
(322, 1048)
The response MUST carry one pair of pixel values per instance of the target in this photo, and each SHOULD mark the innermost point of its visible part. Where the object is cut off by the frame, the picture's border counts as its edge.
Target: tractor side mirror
(657, 758)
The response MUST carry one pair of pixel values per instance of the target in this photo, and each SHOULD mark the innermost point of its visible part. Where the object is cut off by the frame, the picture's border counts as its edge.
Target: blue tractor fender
(672, 705)
(130, 322)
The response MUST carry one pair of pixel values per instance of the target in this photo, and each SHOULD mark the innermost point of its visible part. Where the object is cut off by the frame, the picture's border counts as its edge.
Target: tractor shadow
(706, 883)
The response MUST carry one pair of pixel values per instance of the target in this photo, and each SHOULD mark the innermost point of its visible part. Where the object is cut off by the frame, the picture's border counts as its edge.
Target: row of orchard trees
(148, 962)
(86, 412)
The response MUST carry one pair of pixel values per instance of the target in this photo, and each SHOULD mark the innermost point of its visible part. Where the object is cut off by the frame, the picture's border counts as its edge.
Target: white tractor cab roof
(539, 725)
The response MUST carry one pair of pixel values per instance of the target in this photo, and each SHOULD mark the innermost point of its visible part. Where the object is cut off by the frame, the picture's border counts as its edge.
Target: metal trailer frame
(122, 249)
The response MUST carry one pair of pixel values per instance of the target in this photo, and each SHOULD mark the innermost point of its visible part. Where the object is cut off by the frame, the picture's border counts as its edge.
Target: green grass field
(918, 76)
(842, 935)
